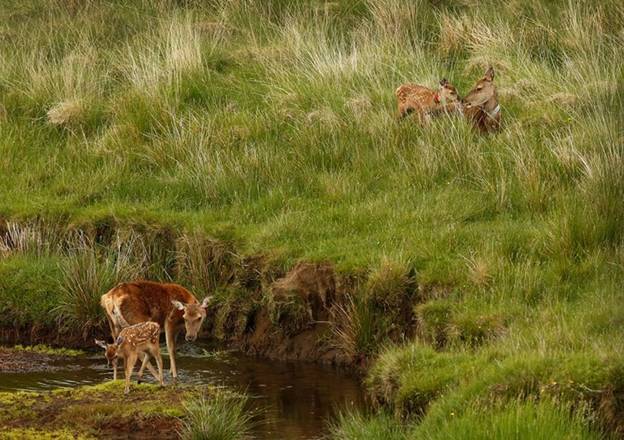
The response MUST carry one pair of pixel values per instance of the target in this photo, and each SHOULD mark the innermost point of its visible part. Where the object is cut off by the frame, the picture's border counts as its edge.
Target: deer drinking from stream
(169, 305)
(132, 342)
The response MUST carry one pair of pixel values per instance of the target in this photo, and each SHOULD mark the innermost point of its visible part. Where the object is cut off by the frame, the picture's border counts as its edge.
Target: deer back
(142, 301)
(139, 335)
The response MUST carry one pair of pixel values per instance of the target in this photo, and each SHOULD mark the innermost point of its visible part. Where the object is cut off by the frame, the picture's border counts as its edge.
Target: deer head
(482, 92)
(110, 350)
(448, 96)
(194, 315)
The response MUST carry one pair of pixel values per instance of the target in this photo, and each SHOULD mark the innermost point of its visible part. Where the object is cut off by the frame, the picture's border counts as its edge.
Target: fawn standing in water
(132, 342)
(481, 104)
(425, 102)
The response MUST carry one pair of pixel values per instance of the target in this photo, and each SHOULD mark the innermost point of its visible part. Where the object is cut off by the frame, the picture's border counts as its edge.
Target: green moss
(89, 410)
(38, 434)
(15, 405)
(46, 349)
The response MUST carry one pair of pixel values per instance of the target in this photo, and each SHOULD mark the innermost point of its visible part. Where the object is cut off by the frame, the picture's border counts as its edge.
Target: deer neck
(492, 107)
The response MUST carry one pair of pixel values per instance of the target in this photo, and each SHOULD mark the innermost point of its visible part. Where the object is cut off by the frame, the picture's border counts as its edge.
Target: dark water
(293, 400)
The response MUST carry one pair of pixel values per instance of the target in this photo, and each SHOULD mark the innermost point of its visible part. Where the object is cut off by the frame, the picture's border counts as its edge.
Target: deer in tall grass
(426, 102)
(174, 308)
(481, 105)
(133, 342)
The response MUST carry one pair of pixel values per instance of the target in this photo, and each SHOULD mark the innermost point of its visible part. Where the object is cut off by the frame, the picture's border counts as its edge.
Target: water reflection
(293, 400)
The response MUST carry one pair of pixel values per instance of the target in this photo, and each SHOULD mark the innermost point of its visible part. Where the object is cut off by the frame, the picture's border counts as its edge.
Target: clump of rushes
(351, 425)
(379, 311)
(87, 273)
(219, 416)
(204, 264)
(354, 329)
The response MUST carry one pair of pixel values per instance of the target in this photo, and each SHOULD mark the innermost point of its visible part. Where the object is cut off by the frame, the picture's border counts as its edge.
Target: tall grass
(220, 416)
(86, 274)
(272, 125)
(353, 425)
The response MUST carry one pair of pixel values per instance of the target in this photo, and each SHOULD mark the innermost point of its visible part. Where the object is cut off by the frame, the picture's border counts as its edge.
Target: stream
(293, 400)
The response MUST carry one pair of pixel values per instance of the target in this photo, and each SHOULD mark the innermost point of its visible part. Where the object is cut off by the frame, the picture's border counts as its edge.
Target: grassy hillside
(272, 124)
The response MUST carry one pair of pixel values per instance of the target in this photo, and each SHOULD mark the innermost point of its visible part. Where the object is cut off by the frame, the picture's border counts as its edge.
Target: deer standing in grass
(481, 105)
(170, 305)
(425, 102)
(132, 342)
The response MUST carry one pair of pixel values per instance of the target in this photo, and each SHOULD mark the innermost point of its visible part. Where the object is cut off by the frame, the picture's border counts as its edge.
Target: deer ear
(489, 74)
(177, 304)
(205, 301)
(100, 343)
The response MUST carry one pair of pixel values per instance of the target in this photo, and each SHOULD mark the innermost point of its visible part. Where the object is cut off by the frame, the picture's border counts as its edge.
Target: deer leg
(129, 367)
(143, 365)
(159, 364)
(170, 339)
(114, 369)
(147, 363)
(151, 369)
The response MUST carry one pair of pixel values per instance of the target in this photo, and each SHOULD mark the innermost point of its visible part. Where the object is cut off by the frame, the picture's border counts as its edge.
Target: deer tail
(119, 317)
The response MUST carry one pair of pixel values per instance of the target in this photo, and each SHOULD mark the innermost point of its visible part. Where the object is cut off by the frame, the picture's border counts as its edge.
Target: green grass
(353, 425)
(518, 421)
(211, 133)
(221, 416)
(29, 289)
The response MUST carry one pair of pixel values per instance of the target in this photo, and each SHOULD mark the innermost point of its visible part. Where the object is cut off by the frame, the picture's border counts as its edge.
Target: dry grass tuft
(66, 113)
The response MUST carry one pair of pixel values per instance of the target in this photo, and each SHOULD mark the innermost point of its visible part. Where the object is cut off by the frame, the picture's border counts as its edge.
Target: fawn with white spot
(133, 341)
(425, 102)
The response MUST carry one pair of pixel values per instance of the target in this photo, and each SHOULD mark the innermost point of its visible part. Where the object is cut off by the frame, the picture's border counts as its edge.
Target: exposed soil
(21, 361)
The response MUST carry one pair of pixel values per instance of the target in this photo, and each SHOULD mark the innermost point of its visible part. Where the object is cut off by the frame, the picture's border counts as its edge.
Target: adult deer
(425, 102)
(135, 341)
(481, 104)
(170, 305)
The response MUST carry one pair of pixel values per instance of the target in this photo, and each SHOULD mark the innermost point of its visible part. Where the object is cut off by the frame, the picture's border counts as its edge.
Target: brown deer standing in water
(481, 105)
(130, 344)
(170, 305)
(425, 102)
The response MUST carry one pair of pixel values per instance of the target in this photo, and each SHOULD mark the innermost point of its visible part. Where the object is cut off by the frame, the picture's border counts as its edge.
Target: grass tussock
(87, 273)
(221, 416)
